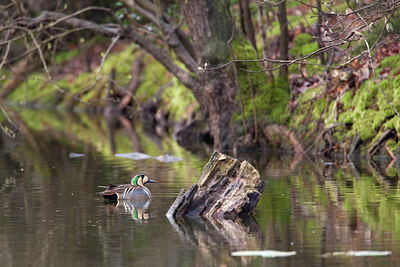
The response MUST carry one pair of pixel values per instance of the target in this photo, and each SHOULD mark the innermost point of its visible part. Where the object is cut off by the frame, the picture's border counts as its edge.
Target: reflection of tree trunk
(217, 238)
(112, 122)
(128, 126)
(284, 37)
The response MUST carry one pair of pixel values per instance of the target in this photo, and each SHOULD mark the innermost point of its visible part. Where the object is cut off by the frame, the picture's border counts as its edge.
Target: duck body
(134, 190)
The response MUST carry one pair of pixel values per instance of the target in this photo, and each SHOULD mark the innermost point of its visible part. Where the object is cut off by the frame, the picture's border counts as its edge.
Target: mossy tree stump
(227, 188)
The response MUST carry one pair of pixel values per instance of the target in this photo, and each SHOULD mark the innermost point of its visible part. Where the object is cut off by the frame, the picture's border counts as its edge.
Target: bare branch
(149, 10)
(126, 32)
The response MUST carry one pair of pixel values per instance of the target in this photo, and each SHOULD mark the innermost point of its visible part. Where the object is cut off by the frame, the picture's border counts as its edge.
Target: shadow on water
(50, 214)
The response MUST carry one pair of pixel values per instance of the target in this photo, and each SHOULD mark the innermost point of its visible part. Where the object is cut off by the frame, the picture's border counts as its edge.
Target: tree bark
(247, 25)
(318, 32)
(227, 188)
(284, 37)
(210, 24)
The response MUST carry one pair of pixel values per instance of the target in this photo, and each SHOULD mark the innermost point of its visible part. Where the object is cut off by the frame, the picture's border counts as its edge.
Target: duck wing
(112, 190)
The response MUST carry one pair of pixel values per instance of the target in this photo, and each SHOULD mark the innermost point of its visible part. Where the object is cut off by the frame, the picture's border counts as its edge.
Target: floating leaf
(264, 253)
(364, 253)
(167, 158)
(75, 155)
(133, 155)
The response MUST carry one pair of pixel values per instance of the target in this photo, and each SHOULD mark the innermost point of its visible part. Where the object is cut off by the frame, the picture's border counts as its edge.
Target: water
(50, 214)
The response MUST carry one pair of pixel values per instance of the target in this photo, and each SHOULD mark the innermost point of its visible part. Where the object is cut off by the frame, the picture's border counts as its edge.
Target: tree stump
(227, 188)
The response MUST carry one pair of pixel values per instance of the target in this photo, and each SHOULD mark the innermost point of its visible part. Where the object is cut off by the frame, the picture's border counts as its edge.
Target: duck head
(141, 180)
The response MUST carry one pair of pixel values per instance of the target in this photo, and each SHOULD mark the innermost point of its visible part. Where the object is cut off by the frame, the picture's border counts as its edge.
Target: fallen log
(227, 188)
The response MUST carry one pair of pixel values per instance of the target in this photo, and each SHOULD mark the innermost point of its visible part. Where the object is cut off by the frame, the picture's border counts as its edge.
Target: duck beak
(151, 181)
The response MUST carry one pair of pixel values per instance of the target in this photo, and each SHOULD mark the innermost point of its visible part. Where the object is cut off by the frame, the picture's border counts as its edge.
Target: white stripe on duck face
(140, 181)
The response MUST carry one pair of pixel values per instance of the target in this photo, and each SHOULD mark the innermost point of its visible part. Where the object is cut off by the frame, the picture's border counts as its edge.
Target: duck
(133, 191)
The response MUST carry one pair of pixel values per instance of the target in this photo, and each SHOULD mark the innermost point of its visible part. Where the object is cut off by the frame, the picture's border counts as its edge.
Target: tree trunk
(210, 24)
(284, 37)
(245, 20)
(318, 32)
(227, 188)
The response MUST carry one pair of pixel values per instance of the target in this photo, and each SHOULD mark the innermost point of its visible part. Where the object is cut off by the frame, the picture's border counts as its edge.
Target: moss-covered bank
(325, 119)
(364, 113)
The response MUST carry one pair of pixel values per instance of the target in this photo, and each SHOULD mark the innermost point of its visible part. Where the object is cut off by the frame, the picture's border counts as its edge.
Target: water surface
(50, 214)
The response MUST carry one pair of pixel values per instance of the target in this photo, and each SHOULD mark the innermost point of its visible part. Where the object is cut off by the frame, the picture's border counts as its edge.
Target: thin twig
(5, 55)
(40, 54)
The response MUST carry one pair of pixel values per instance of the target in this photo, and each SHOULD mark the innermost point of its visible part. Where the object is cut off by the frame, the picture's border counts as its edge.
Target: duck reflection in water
(137, 208)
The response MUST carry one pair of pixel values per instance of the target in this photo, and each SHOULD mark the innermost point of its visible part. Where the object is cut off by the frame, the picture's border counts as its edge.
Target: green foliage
(177, 99)
(154, 76)
(303, 44)
(293, 22)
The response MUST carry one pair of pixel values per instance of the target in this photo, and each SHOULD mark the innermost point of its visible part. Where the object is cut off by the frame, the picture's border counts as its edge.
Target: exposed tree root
(375, 148)
(272, 132)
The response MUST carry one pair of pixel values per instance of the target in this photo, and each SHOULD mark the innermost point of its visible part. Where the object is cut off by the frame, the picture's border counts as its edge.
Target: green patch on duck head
(141, 180)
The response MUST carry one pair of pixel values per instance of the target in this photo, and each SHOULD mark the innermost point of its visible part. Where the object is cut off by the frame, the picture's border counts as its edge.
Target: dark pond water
(50, 214)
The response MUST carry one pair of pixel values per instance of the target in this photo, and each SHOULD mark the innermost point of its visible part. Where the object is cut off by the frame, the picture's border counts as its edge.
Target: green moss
(397, 125)
(302, 43)
(301, 114)
(347, 100)
(318, 108)
(346, 117)
(391, 124)
(270, 98)
(392, 144)
(363, 124)
(35, 90)
(392, 62)
(278, 100)
(63, 56)
(310, 94)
